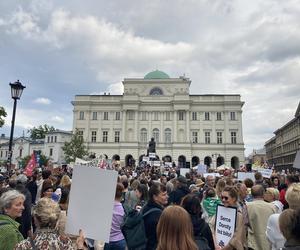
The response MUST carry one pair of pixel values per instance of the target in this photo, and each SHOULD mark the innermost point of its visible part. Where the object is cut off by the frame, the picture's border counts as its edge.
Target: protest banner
(152, 155)
(201, 169)
(211, 174)
(245, 175)
(266, 173)
(183, 171)
(91, 202)
(225, 224)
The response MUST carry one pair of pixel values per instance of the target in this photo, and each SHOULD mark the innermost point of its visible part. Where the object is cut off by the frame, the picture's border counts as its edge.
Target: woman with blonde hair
(175, 230)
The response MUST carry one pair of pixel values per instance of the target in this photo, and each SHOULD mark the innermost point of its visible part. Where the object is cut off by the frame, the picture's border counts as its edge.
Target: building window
(233, 137)
(168, 116)
(232, 116)
(94, 136)
(94, 117)
(156, 91)
(51, 152)
(48, 139)
(130, 115)
(168, 135)
(143, 135)
(180, 115)
(117, 136)
(155, 134)
(194, 137)
(206, 116)
(104, 136)
(194, 116)
(6, 153)
(55, 138)
(81, 115)
(51, 138)
(1, 154)
(105, 116)
(156, 115)
(219, 116)
(80, 134)
(118, 116)
(144, 115)
(207, 137)
(219, 138)
(20, 153)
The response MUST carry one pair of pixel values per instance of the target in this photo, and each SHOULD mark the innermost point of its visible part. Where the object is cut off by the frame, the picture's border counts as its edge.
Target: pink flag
(31, 165)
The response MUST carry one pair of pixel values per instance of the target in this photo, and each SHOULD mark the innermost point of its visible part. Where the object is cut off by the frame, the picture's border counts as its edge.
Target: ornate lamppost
(16, 92)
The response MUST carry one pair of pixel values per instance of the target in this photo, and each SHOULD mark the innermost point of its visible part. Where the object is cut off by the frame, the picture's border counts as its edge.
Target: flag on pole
(31, 165)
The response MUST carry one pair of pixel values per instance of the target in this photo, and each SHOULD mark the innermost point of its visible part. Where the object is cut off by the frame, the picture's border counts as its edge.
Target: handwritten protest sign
(225, 224)
(156, 163)
(201, 169)
(168, 164)
(145, 158)
(266, 173)
(90, 209)
(183, 171)
(152, 155)
(245, 175)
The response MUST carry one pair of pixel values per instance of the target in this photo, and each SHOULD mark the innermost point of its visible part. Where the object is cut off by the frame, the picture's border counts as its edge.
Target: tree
(74, 148)
(40, 132)
(2, 115)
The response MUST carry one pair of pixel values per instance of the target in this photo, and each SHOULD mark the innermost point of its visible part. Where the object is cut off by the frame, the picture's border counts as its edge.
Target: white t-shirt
(273, 233)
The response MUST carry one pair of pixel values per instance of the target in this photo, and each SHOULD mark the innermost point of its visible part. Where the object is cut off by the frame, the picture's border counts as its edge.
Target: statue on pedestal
(151, 146)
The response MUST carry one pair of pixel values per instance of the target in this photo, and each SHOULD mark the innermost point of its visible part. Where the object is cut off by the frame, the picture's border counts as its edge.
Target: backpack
(202, 242)
(133, 229)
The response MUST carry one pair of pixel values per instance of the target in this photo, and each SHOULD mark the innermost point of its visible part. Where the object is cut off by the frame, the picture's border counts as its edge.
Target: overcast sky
(62, 48)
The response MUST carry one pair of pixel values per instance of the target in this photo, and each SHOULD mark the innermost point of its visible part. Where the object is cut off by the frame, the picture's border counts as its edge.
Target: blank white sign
(91, 202)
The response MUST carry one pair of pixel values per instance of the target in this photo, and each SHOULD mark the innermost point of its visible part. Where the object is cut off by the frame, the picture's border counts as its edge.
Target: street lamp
(16, 92)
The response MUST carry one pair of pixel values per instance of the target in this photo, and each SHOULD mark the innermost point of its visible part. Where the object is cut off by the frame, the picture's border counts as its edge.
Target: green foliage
(2, 115)
(23, 162)
(74, 148)
(40, 131)
(43, 160)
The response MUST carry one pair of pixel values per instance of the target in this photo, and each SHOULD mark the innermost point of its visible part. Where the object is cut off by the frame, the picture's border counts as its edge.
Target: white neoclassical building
(187, 128)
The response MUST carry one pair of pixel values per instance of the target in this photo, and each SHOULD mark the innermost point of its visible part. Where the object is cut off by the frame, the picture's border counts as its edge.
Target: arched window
(155, 134)
(143, 135)
(156, 91)
(167, 135)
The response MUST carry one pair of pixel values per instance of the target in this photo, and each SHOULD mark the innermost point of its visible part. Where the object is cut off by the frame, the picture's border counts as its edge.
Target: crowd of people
(178, 212)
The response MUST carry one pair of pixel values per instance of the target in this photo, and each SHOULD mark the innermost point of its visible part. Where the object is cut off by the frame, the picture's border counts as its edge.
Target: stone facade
(188, 129)
(282, 148)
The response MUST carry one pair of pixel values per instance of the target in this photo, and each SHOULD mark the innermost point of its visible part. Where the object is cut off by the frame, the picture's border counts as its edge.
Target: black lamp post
(16, 92)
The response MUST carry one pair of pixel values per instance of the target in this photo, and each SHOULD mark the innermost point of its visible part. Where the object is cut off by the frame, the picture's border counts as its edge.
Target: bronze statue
(151, 146)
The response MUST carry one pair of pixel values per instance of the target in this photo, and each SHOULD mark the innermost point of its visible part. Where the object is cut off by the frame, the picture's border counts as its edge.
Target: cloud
(57, 119)
(42, 100)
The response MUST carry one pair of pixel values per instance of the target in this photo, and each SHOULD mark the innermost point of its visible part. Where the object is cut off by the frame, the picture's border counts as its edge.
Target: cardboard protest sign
(91, 202)
(168, 164)
(152, 155)
(211, 174)
(266, 173)
(156, 163)
(245, 175)
(145, 158)
(296, 163)
(225, 224)
(183, 171)
(201, 169)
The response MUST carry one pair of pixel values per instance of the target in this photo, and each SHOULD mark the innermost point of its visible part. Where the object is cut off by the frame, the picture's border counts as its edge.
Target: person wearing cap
(180, 191)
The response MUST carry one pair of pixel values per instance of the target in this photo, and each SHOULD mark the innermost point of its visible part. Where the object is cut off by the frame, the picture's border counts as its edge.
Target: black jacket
(176, 195)
(200, 227)
(150, 222)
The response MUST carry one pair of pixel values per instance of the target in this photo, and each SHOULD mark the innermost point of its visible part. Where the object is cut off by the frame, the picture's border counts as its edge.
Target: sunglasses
(224, 198)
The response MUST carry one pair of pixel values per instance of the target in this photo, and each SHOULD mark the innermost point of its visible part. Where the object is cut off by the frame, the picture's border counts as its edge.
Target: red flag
(31, 165)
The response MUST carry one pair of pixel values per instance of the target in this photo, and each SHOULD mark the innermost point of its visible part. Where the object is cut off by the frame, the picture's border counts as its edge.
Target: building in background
(188, 129)
(50, 146)
(257, 157)
(282, 148)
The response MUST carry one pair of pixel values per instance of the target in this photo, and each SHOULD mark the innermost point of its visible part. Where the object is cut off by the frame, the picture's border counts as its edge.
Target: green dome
(156, 74)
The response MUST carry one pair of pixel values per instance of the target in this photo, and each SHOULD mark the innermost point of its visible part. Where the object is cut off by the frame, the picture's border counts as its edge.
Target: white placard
(168, 164)
(90, 207)
(156, 163)
(211, 174)
(296, 163)
(266, 173)
(183, 171)
(145, 158)
(244, 175)
(152, 155)
(201, 169)
(225, 224)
